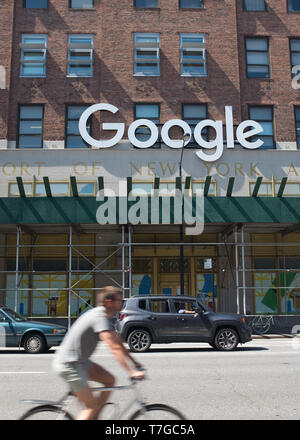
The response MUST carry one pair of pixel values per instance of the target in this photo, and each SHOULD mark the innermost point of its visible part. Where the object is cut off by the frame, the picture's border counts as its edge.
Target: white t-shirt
(81, 340)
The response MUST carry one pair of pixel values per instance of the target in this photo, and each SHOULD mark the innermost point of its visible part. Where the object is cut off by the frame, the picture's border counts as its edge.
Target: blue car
(33, 336)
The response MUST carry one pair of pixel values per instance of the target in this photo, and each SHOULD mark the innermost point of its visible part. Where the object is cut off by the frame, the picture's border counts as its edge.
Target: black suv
(144, 320)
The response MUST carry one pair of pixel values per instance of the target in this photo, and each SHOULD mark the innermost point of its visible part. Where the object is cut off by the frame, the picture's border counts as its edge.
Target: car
(145, 320)
(33, 336)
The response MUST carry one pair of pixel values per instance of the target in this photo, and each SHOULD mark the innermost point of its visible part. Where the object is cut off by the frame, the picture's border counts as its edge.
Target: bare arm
(121, 354)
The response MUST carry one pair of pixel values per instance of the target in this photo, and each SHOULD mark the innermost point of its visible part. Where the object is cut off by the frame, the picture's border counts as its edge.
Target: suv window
(159, 306)
(142, 304)
(189, 306)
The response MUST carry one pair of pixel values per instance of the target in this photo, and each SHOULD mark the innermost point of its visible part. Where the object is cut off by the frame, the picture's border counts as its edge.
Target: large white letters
(120, 127)
(217, 144)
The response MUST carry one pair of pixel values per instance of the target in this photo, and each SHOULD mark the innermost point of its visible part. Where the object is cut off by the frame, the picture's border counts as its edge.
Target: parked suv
(144, 320)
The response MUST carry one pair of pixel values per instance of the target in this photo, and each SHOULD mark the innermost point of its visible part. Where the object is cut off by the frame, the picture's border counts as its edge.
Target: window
(79, 264)
(200, 186)
(158, 306)
(294, 5)
(31, 126)
(86, 189)
(192, 55)
(35, 4)
(139, 188)
(81, 4)
(168, 188)
(80, 55)
(33, 55)
(3, 318)
(146, 55)
(257, 57)
(185, 306)
(57, 189)
(146, 111)
(192, 114)
(265, 189)
(146, 3)
(264, 263)
(254, 5)
(13, 189)
(295, 53)
(290, 190)
(264, 116)
(289, 263)
(49, 265)
(142, 304)
(297, 117)
(195, 4)
(74, 139)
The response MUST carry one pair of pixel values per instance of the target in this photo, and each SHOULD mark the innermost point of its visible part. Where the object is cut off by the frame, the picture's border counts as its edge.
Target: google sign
(245, 130)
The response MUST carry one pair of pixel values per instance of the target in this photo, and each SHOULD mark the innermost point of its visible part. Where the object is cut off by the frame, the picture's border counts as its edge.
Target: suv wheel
(139, 341)
(226, 339)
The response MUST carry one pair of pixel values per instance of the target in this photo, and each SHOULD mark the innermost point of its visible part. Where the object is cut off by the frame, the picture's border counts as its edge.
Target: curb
(278, 336)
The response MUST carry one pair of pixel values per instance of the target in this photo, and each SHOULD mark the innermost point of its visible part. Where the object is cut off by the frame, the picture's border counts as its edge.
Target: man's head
(111, 298)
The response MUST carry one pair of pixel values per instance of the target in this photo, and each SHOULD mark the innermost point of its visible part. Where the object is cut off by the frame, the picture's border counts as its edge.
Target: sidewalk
(275, 336)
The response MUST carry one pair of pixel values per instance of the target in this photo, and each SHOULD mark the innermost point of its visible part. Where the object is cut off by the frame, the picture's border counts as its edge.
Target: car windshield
(14, 314)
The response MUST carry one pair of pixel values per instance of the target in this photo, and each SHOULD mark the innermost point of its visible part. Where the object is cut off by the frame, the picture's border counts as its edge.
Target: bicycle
(57, 410)
(261, 324)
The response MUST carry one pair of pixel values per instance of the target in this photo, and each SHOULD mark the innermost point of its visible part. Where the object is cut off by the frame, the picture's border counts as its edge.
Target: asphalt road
(261, 380)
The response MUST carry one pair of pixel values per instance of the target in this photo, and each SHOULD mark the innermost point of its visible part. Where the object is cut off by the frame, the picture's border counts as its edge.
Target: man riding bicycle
(72, 359)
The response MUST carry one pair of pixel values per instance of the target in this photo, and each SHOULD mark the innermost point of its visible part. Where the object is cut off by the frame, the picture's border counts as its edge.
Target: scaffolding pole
(237, 271)
(129, 261)
(17, 269)
(243, 271)
(70, 277)
(123, 260)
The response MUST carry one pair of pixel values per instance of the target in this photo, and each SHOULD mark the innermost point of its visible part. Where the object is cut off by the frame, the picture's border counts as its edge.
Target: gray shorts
(74, 373)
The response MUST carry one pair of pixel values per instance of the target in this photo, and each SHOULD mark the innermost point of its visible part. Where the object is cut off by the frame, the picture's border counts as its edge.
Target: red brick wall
(113, 24)
(6, 29)
(279, 26)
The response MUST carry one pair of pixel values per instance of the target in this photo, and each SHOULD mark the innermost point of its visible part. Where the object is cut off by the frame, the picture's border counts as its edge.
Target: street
(261, 380)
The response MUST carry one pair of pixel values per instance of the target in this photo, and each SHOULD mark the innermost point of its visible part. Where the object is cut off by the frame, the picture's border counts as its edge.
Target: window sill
(144, 8)
(261, 79)
(32, 77)
(138, 75)
(74, 76)
(258, 10)
(82, 9)
(183, 75)
(192, 9)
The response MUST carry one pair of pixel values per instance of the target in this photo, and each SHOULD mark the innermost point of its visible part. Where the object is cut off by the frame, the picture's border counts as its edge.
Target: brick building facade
(159, 60)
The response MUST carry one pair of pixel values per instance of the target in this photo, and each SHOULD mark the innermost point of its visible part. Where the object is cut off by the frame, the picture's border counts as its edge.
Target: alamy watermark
(2, 78)
(162, 207)
(296, 78)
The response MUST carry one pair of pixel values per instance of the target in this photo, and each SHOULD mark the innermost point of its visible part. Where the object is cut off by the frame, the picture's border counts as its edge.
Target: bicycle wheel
(46, 412)
(157, 411)
(260, 325)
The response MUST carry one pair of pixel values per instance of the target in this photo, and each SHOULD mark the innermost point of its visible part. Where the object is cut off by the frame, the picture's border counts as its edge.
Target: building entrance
(170, 285)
